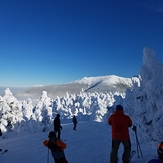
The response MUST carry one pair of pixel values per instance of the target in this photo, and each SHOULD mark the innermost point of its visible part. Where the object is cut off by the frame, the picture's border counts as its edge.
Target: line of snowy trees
(22, 117)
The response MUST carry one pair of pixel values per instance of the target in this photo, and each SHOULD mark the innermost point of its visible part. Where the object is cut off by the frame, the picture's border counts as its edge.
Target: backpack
(53, 146)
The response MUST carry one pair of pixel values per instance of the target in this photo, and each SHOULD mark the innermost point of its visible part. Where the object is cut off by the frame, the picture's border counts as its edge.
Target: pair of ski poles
(137, 143)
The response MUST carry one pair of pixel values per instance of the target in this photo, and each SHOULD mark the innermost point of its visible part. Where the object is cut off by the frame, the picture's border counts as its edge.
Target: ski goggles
(52, 139)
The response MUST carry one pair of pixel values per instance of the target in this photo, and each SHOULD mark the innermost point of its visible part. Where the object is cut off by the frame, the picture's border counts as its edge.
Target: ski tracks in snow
(90, 143)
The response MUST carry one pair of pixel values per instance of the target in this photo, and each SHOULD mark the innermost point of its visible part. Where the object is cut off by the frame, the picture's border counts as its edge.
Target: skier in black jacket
(75, 122)
(57, 126)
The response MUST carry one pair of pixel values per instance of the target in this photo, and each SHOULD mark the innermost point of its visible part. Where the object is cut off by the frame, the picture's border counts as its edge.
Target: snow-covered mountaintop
(108, 80)
(110, 83)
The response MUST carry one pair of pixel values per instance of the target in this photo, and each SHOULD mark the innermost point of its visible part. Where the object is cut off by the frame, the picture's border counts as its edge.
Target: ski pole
(139, 145)
(137, 142)
(48, 156)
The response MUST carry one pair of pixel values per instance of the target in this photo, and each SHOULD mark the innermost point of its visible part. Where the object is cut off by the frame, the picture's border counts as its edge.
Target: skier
(57, 148)
(120, 134)
(0, 132)
(1, 150)
(57, 126)
(160, 154)
(0, 135)
(74, 120)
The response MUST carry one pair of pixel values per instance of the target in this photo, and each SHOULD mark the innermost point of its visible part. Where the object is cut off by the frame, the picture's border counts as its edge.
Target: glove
(134, 128)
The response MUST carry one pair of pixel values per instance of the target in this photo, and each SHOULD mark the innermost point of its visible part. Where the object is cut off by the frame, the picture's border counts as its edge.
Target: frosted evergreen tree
(147, 99)
(12, 111)
(43, 112)
(27, 109)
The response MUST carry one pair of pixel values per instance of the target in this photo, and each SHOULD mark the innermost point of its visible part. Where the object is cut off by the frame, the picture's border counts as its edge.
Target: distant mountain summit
(110, 83)
(111, 79)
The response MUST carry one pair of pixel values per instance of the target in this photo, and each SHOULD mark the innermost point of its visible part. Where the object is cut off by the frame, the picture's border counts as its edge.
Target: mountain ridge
(109, 83)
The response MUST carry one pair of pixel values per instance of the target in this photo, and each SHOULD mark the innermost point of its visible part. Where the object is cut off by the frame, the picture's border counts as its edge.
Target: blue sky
(59, 41)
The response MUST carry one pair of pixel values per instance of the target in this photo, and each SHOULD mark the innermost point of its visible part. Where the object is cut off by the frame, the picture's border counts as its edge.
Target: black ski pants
(61, 160)
(126, 152)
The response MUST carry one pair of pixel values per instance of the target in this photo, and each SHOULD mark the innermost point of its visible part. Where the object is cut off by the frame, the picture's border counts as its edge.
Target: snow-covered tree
(43, 112)
(145, 102)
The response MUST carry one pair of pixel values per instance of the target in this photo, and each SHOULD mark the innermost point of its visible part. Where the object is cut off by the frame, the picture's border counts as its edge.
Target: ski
(3, 152)
(132, 154)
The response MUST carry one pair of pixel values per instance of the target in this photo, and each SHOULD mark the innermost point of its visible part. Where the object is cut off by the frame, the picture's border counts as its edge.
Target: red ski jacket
(120, 123)
(58, 142)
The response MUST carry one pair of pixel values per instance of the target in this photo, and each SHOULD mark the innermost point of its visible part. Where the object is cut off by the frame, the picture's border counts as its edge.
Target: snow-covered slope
(90, 143)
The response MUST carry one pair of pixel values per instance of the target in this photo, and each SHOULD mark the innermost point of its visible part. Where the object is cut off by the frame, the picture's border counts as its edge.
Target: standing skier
(74, 120)
(160, 154)
(57, 126)
(0, 135)
(120, 134)
(0, 132)
(57, 148)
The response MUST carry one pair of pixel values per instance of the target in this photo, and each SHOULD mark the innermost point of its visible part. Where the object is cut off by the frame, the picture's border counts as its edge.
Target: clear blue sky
(59, 41)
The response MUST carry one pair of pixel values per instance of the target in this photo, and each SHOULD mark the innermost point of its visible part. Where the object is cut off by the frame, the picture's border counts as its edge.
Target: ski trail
(91, 142)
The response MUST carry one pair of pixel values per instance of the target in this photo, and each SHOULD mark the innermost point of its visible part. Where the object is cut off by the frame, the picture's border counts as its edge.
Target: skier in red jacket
(57, 148)
(120, 134)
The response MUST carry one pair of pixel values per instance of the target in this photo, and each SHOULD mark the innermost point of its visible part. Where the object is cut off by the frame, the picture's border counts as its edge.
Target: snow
(91, 142)
(25, 126)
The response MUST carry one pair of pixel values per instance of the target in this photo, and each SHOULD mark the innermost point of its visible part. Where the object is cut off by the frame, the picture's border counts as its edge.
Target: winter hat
(58, 115)
(119, 107)
(52, 136)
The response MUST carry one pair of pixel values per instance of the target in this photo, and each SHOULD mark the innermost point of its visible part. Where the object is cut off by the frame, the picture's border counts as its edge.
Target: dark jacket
(120, 123)
(57, 124)
(74, 120)
(56, 153)
(0, 132)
